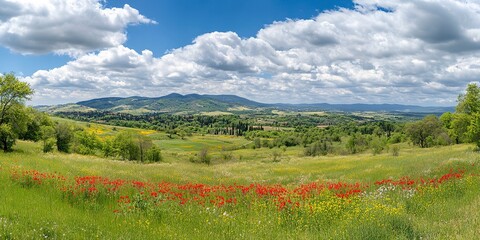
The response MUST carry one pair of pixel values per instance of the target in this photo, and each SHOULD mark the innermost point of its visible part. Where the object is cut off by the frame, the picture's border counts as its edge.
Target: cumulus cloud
(64, 26)
(410, 52)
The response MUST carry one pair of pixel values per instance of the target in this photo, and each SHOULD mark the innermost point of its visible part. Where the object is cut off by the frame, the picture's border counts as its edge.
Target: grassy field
(253, 199)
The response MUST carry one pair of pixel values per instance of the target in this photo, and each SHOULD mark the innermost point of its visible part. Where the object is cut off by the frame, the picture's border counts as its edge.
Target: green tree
(466, 122)
(35, 120)
(47, 135)
(154, 154)
(13, 117)
(85, 143)
(469, 102)
(108, 148)
(144, 144)
(474, 129)
(427, 132)
(377, 144)
(64, 137)
(126, 147)
(459, 125)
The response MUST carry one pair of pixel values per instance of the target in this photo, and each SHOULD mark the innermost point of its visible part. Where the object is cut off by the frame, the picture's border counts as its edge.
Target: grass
(445, 212)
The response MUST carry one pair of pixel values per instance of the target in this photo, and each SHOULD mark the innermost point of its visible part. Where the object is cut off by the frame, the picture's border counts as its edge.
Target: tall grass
(435, 211)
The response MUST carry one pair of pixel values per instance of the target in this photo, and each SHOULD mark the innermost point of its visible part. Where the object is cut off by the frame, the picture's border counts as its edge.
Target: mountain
(364, 107)
(174, 103)
(195, 103)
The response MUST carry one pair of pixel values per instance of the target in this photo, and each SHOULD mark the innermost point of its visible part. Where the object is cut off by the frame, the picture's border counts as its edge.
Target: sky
(421, 52)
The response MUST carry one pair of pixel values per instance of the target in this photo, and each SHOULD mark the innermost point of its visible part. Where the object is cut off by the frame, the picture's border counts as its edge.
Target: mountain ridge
(197, 103)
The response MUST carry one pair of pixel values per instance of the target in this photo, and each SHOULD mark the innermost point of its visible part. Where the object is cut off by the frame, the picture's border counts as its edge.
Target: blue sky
(421, 52)
(179, 22)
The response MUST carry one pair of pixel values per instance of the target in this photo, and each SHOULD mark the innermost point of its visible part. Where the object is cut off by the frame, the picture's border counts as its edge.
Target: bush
(48, 145)
(154, 154)
(377, 145)
(257, 143)
(395, 150)
(276, 155)
(203, 156)
(318, 148)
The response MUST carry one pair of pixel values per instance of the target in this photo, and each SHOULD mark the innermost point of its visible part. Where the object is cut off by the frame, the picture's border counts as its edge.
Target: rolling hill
(195, 103)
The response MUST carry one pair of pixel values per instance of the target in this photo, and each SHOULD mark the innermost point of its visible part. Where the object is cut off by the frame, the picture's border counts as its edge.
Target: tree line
(20, 122)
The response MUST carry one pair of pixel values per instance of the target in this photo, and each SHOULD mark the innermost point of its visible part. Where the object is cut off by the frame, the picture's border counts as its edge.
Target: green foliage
(378, 144)
(257, 143)
(64, 136)
(474, 129)
(203, 156)
(47, 135)
(125, 146)
(153, 154)
(13, 92)
(276, 155)
(7, 136)
(35, 120)
(395, 149)
(226, 154)
(322, 147)
(108, 148)
(459, 127)
(469, 102)
(13, 116)
(427, 132)
(85, 143)
(356, 143)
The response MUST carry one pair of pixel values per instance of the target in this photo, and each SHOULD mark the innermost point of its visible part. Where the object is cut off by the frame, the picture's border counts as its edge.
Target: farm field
(422, 193)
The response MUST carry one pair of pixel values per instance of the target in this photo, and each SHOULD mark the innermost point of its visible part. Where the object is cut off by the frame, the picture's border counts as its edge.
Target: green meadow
(41, 211)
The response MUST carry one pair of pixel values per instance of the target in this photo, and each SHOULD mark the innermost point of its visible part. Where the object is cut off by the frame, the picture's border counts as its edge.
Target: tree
(126, 147)
(154, 154)
(474, 129)
(47, 135)
(427, 132)
(85, 143)
(144, 144)
(64, 137)
(13, 94)
(469, 102)
(466, 121)
(459, 125)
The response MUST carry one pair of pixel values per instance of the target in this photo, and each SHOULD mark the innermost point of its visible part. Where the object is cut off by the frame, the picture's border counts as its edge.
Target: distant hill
(195, 103)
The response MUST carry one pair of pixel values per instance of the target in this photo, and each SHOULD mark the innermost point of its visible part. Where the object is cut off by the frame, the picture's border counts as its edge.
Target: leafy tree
(469, 102)
(126, 146)
(64, 137)
(144, 144)
(108, 148)
(47, 135)
(154, 154)
(459, 126)
(377, 144)
(86, 143)
(35, 120)
(7, 136)
(447, 119)
(474, 129)
(13, 118)
(427, 132)
(318, 148)
(356, 143)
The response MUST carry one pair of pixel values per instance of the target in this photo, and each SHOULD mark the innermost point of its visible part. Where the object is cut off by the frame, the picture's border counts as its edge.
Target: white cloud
(410, 52)
(64, 26)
